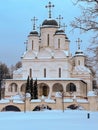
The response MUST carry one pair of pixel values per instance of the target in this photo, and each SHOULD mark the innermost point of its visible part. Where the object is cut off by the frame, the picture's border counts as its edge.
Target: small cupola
(34, 32)
(79, 52)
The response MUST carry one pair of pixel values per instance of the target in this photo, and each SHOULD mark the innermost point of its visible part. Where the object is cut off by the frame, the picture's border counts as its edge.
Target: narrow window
(48, 39)
(78, 62)
(59, 72)
(58, 43)
(45, 73)
(30, 73)
(32, 45)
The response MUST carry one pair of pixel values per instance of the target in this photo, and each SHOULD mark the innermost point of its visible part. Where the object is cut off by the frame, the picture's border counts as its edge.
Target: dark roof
(50, 22)
(59, 31)
(34, 33)
(79, 52)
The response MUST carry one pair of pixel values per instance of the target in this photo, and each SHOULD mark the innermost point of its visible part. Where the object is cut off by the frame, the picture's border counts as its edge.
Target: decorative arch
(57, 87)
(13, 87)
(43, 89)
(10, 108)
(23, 87)
(71, 87)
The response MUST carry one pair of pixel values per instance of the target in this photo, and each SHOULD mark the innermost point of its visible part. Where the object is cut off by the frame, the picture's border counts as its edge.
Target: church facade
(48, 59)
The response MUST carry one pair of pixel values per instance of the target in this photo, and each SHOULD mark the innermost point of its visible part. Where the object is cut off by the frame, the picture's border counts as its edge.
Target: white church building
(48, 59)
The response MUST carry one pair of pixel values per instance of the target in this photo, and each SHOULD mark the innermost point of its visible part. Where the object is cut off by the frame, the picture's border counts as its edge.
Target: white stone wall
(51, 65)
(44, 33)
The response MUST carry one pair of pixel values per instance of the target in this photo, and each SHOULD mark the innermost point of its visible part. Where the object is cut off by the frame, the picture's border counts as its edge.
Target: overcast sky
(15, 24)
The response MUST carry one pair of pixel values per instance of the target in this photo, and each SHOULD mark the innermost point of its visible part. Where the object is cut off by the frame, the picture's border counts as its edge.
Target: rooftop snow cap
(50, 22)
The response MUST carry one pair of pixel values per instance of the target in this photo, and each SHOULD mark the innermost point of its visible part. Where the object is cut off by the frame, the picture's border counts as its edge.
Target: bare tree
(18, 65)
(88, 22)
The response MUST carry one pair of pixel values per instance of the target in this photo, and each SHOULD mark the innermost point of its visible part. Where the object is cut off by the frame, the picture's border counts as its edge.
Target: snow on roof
(4, 101)
(36, 100)
(58, 79)
(17, 97)
(18, 71)
(68, 100)
(91, 94)
(17, 101)
(67, 53)
(81, 68)
(82, 100)
(49, 101)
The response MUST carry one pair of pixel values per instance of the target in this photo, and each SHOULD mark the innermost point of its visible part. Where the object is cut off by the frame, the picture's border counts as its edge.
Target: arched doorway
(23, 87)
(13, 87)
(70, 89)
(11, 108)
(57, 87)
(43, 89)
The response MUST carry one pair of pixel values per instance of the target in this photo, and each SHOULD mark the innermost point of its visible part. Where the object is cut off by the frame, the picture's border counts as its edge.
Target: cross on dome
(64, 26)
(78, 41)
(50, 7)
(34, 22)
(59, 19)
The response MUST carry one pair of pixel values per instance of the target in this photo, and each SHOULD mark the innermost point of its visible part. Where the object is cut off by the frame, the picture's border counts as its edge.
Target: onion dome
(50, 22)
(34, 33)
(60, 32)
(79, 52)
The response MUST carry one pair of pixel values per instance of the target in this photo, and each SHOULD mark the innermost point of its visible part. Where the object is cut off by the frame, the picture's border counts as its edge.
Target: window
(13, 87)
(59, 72)
(45, 73)
(48, 40)
(58, 43)
(32, 44)
(78, 62)
(70, 87)
(30, 73)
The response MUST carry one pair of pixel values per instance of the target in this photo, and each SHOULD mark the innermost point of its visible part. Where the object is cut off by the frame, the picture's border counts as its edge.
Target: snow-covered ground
(49, 120)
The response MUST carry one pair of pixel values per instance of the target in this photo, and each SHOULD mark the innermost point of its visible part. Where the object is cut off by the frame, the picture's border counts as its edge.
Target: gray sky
(15, 25)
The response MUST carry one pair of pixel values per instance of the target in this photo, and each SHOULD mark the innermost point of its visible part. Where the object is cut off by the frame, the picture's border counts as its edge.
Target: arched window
(30, 73)
(59, 72)
(70, 87)
(48, 40)
(58, 43)
(13, 88)
(44, 72)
